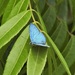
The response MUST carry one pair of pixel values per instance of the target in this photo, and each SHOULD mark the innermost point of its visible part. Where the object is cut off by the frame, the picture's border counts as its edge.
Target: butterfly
(37, 37)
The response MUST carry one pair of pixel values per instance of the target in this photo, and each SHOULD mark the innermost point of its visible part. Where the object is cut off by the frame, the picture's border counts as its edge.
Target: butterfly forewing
(36, 36)
(33, 31)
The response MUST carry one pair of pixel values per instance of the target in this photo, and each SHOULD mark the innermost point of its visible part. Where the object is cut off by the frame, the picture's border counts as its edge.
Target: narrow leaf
(3, 4)
(13, 26)
(19, 7)
(41, 5)
(60, 34)
(57, 51)
(63, 10)
(51, 2)
(8, 9)
(18, 54)
(69, 54)
(73, 12)
(49, 62)
(36, 61)
(49, 18)
(1, 68)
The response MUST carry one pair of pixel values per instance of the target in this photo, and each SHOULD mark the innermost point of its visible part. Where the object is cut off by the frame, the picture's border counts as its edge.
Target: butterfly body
(37, 37)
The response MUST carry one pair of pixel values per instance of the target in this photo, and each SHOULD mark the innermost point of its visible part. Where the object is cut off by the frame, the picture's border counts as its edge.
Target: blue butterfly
(37, 37)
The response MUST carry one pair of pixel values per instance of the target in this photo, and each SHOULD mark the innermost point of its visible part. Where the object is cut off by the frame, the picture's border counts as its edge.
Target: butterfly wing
(45, 45)
(33, 31)
(36, 36)
(40, 38)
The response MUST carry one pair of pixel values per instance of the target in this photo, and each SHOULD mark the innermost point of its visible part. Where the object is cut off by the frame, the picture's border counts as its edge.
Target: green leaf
(40, 18)
(18, 55)
(23, 70)
(73, 12)
(51, 2)
(1, 68)
(69, 54)
(3, 4)
(41, 5)
(70, 49)
(8, 9)
(60, 34)
(49, 18)
(63, 10)
(13, 26)
(59, 1)
(3, 49)
(36, 60)
(19, 7)
(51, 61)
(57, 51)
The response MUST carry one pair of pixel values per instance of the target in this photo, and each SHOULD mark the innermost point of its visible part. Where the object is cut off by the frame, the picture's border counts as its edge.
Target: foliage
(54, 18)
